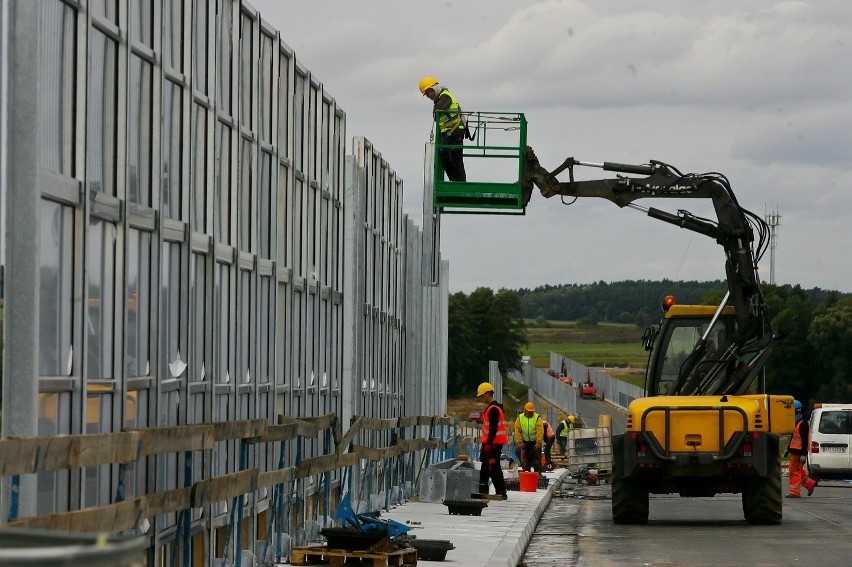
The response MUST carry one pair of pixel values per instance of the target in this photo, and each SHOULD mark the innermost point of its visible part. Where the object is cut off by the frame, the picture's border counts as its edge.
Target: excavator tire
(762, 500)
(629, 502)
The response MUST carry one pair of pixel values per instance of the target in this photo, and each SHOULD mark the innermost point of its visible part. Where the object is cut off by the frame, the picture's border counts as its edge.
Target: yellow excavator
(706, 425)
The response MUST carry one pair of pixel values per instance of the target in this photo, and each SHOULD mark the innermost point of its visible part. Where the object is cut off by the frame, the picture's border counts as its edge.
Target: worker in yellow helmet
(566, 425)
(451, 127)
(494, 436)
(529, 435)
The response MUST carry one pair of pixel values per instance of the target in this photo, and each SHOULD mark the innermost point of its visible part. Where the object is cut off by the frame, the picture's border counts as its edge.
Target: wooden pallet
(320, 554)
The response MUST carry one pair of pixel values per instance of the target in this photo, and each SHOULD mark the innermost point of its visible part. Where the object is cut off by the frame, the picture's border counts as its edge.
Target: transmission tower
(773, 219)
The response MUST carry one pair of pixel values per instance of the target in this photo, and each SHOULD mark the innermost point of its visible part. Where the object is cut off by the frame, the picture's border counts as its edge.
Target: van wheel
(762, 500)
(629, 502)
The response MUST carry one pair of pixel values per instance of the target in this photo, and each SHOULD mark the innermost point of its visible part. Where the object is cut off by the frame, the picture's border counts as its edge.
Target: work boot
(792, 496)
(811, 489)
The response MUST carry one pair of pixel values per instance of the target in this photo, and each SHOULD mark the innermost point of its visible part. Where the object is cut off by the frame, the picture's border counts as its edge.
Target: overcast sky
(760, 91)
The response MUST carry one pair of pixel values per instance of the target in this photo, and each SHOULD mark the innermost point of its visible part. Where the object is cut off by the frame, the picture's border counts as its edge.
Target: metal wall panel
(186, 224)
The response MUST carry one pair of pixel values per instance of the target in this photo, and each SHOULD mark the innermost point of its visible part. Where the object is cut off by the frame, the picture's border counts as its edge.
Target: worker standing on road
(549, 439)
(451, 127)
(798, 451)
(494, 436)
(529, 433)
(566, 425)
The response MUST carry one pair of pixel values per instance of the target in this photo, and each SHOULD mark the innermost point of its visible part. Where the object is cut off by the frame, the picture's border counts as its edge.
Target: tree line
(813, 363)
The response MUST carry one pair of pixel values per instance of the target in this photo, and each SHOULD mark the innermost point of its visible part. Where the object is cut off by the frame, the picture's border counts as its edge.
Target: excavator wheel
(762, 499)
(629, 502)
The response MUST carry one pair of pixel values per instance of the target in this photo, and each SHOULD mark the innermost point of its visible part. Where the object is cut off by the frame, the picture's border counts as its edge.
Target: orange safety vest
(501, 438)
(796, 440)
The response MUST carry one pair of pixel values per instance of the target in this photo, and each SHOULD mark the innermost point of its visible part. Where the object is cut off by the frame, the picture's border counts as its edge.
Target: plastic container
(529, 481)
(25, 546)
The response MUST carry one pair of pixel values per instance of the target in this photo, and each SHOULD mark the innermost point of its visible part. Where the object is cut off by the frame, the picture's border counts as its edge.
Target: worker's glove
(538, 447)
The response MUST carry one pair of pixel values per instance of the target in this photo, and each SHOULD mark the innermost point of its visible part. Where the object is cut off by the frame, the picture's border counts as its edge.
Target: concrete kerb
(510, 551)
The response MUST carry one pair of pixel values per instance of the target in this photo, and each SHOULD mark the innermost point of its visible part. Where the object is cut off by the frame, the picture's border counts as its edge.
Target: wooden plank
(322, 422)
(275, 433)
(99, 449)
(179, 438)
(348, 459)
(316, 465)
(304, 428)
(350, 433)
(416, 420)
(379, 454)
(376, 424)
(112, 518)
(223, 487)
(26, 455)
(167, 501)
(244, 429)
(271, 478)
(311, 555)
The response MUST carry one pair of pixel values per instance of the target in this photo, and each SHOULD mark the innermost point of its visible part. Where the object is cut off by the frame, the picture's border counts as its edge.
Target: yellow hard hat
(484, 388)
(529, 406)
(427, 82)
(571, 418)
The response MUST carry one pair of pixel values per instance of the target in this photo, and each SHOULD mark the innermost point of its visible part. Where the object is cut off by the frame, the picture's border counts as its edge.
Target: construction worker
(798, 451)
(529, 434)
(566, 425)
(451, 127)
(494, 436)
(549, 439)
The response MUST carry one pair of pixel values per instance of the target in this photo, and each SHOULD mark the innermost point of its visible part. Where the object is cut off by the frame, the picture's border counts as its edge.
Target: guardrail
(378, 458)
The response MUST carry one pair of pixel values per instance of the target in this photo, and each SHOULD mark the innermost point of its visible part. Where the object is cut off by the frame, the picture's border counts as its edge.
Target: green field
(610, 345)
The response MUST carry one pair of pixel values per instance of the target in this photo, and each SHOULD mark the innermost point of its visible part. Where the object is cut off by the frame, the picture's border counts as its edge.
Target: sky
(760, 91)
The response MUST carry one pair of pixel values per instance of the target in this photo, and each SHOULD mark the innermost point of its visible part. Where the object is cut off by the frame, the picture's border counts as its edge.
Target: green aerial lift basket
(498, 136)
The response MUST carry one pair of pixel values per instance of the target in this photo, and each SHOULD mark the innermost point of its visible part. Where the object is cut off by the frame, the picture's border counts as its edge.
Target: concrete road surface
(577, 530)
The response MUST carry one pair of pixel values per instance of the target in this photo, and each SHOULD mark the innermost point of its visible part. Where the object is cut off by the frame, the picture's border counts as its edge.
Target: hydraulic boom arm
(735, 365)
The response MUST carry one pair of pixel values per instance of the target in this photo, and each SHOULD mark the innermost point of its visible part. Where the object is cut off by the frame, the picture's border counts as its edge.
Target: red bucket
(529, 481)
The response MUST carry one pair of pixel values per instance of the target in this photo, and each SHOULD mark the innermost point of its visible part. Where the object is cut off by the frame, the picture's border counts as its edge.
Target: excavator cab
(683, 327)
(494, 162)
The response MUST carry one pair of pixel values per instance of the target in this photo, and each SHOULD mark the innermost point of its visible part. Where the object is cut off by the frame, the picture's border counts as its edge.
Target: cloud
(760, 91)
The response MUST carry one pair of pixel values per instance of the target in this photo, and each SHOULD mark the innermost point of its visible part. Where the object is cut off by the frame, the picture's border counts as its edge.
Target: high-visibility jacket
(548, 431)
(566, 427)
(450, 119)
(529, 428)
(798, 443)
(501, 437)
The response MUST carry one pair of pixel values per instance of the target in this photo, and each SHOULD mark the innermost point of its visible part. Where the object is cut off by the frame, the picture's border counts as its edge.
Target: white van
(830, 451)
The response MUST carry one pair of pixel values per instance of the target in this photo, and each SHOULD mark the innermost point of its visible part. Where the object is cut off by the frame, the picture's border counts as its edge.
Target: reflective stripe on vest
(449, 119)
(796, 440)
(501, 437)
(528, 426)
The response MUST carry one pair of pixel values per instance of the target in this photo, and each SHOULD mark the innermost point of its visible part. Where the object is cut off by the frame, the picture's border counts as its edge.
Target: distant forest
(634, 301)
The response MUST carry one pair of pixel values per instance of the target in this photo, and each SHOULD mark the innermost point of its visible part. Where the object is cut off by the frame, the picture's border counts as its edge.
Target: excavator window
(676, 340)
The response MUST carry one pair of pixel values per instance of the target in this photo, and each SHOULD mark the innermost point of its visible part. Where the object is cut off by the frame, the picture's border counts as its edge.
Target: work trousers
(530, 458)
(452, 160)
(798, 477)
(548, 445)
(491, 469)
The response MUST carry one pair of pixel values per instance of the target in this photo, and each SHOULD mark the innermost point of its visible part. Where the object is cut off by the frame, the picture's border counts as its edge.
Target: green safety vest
(449, 119)
(566, 428)
(528, 426)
